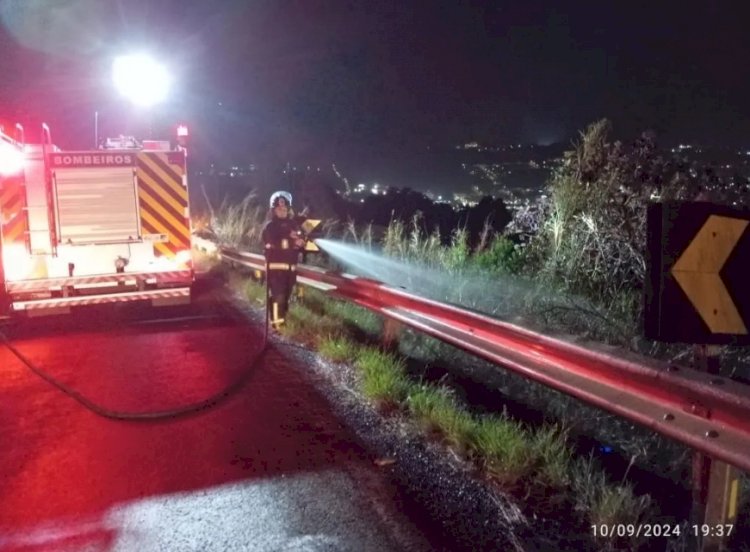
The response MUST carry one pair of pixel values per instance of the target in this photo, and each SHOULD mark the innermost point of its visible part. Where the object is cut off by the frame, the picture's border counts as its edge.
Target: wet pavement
(268, 468)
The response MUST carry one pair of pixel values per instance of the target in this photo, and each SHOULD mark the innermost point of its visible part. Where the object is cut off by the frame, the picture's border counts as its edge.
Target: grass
(528, 461)
(435, 408)
(345, 314)
(652, 452)
(367, 321)
(308, 326)
(255, 292)
(602, 502)
(506, 450)
(427, 401)
(238, 224)
(383, 376)
(303, 323)
(551, 444)
(338, 349)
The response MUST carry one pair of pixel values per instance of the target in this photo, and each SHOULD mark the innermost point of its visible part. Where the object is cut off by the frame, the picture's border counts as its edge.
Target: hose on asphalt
(149, 416)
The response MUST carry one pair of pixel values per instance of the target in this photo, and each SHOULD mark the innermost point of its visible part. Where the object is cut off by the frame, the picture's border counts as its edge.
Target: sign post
(697, 292)
(715, 483)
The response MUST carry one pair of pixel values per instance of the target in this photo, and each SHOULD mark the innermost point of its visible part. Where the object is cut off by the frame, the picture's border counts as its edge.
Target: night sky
(314, 79)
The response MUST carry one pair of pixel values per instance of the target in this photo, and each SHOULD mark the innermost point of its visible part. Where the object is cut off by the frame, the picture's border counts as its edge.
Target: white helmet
(276, 196)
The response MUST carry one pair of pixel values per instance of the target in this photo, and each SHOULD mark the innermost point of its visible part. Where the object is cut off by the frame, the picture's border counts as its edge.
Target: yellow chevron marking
(179, 226)
(7, 199)
(176, 168)
(156, 223)
(11, 210)
(698, 272)
(16, 235)
(164, 178)
(159, 227)
(155, 187)
(164, 249)
(164, 158)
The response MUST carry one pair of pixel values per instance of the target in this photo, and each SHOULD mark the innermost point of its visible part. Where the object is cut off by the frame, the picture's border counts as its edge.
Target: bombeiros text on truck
(90, 227)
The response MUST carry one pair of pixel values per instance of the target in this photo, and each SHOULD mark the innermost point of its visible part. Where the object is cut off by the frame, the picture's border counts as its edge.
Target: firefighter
(283, 240)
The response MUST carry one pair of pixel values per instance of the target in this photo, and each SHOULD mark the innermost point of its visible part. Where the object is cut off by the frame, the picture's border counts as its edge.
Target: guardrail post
(715, 483)
(391, 332)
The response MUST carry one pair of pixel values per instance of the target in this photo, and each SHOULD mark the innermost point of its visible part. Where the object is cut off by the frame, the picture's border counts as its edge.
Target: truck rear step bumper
(61, 305)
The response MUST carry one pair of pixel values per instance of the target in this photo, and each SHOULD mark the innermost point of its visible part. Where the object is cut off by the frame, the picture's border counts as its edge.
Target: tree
(592, 231)
(490, 211)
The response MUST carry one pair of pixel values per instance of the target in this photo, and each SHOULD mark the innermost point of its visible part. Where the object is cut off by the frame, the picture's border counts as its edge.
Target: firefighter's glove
(299, 238)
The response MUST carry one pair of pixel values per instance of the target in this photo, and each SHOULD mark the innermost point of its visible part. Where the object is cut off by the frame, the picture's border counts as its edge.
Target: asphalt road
(268, 468)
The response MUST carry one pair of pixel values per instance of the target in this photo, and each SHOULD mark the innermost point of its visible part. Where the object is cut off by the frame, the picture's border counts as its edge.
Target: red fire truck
(90, 227)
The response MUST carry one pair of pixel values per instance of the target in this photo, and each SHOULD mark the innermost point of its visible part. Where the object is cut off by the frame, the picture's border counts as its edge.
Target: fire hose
(148, 416)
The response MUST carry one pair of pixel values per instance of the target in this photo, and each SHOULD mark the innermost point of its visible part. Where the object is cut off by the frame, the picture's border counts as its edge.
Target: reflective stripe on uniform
(281, 266)
(275, 320)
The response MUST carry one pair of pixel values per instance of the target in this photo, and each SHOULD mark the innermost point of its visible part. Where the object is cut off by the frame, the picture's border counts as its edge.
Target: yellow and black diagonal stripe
(163, 200)
(13, 212)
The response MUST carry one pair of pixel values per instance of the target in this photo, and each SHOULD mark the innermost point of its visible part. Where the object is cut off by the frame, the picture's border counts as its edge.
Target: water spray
(435, 282)
(496, 294)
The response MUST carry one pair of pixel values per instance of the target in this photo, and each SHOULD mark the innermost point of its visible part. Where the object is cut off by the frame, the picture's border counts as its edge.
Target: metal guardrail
(707, 413)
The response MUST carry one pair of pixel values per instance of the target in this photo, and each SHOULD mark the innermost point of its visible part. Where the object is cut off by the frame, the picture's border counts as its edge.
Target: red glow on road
(63, 464)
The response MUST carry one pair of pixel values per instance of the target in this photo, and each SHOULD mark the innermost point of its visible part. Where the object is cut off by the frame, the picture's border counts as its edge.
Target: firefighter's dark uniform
(282, 254)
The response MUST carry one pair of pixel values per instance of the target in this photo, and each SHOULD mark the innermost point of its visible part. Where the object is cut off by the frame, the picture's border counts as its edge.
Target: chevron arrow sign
(698, 281)
(311, 230)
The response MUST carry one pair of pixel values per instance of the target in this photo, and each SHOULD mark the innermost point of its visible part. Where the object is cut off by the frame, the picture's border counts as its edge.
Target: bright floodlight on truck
(141, 79)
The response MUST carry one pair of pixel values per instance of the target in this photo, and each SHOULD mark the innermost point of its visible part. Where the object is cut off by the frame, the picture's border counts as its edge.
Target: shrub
(501, 255)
